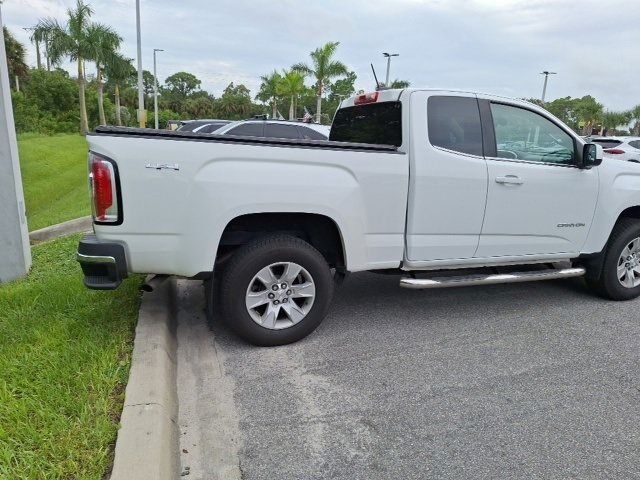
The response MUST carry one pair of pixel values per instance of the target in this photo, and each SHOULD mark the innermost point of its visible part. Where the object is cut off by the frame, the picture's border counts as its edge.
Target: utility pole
(389, 55)
(142, 113)
(544, 87)
(15, 251)
(155, 86)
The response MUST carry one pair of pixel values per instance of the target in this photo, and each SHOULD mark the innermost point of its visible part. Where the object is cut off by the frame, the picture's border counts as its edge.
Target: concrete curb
(78, 225)
(148, 439)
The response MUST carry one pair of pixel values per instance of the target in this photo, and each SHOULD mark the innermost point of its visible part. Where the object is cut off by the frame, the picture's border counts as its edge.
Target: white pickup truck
(446, 188)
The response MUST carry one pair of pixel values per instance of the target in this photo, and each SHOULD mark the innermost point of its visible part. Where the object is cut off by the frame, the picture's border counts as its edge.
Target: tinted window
(635, 143)
(279, 130)
(247, 129)
(211, 127)
(377, 123)
(311, 134)
(524, 135)
(454, 124)
(190, 127)
(607, 143)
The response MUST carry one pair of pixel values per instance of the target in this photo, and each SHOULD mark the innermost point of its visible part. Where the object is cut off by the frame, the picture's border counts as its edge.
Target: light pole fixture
(142, 114)
(546, 78)
(155, 86)
(388, 56)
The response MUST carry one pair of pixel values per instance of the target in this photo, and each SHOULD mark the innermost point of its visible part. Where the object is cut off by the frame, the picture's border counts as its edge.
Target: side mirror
(591, 155)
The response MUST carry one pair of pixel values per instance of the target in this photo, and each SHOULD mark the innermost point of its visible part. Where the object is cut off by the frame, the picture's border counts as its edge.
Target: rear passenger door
(448, 180)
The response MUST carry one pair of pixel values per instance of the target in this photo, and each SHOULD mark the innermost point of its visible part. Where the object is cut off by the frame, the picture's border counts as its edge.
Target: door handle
(509, 179)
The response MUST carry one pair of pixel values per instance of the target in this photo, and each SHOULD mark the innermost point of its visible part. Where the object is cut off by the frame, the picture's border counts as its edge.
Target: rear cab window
(374, 123)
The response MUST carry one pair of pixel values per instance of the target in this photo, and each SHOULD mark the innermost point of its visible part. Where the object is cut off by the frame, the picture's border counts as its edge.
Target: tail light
(366, 98)
(613, 151)
(103, 183)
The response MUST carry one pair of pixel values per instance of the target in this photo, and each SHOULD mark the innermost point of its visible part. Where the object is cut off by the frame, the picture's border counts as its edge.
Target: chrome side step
(470, 280)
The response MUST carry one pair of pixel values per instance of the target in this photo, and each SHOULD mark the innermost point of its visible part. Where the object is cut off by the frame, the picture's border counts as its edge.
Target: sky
(491, 46)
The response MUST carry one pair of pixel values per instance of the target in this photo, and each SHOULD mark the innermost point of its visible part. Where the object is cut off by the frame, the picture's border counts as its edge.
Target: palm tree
(36, 37)
(291, 85)
(611, 120)
(269, 91)
(400, 84)
(118, 69)
(103, 42)
(71, 40)
(324, 68)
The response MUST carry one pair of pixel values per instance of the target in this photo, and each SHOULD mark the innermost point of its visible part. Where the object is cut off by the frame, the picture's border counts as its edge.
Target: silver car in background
(619, 148)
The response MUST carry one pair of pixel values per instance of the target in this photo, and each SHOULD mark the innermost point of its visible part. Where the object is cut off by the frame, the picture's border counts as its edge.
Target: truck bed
(211, 137)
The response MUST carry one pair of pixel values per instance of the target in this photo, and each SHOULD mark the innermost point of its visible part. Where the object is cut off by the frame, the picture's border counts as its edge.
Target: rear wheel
(619, 278)
(275, 291)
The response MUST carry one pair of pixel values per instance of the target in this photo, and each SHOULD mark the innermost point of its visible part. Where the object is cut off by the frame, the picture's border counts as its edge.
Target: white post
(142, 113)
(388, 55)
(155, 86)
(15, 252)
(386, 82)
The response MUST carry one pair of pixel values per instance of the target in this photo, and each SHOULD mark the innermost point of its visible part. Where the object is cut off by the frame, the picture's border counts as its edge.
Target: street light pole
(15, 252)
(546, 78)
(142, 114)
(389, 55)
(155, 86)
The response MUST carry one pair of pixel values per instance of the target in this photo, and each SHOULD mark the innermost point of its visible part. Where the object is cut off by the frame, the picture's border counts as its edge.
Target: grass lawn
(64, 362)
(54, 176)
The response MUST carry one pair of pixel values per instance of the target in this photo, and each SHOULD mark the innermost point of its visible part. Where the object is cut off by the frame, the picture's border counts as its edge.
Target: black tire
(246, 262)
(605, 282)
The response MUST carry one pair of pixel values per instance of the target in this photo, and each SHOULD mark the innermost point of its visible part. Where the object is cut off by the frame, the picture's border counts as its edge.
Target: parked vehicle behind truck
(447, 188)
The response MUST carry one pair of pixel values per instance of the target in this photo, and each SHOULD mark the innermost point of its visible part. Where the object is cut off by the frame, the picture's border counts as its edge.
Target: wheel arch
(320, 231)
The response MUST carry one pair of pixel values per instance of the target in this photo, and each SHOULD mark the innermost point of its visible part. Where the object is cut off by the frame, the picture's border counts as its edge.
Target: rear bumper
(104, 264)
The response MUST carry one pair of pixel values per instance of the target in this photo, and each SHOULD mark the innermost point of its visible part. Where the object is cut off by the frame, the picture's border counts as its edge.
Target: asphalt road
(538, 380)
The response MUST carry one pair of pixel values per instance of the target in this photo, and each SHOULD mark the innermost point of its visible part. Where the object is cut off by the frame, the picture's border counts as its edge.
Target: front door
(538, 201)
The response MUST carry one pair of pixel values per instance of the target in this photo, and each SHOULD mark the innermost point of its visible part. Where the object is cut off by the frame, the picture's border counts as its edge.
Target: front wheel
(275, 290)
(620, 275)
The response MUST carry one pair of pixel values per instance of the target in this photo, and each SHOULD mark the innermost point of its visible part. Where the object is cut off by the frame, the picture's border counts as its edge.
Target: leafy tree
(235, 102)
(343, 87)
(323, 68)
(182, 84)
(103, 42)
(291, 85)
(612, 120)
(635, 115)
(118, 70)
(338, 91)
(15, 57)
(268, 92)
(589, 112)
(72, 40)
(199, 106)
(48, 103)
(581, 114)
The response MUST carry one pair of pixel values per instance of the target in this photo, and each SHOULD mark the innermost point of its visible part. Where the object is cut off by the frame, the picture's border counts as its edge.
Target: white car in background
(620, 148)
(276, 129)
